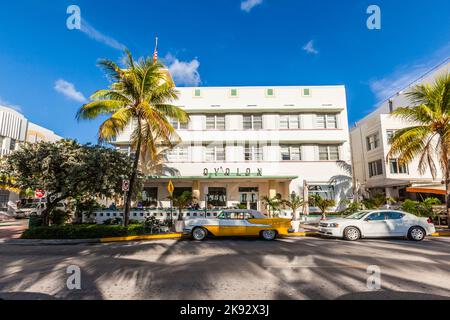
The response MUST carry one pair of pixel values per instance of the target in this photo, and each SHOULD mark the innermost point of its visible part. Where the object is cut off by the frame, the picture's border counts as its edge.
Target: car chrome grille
(324, 225)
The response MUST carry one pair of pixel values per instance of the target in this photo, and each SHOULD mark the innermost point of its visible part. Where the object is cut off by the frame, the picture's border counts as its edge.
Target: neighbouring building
(15, 129)
(373, 172)
(246, 143)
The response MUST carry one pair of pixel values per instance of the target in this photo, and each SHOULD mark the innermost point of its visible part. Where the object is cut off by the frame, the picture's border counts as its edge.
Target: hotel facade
(246, 143)
(370, 136)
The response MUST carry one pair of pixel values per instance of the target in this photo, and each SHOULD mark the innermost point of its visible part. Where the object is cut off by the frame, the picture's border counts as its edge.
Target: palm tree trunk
(447, 196)
(133, 177)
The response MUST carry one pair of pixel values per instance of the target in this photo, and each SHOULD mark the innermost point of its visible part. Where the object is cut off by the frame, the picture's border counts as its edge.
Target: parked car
(26, 210)
(378, 224)
(237, 223)
(33, 208)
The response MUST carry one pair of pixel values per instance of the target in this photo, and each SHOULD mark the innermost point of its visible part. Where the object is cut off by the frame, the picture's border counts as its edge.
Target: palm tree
(182, 202)
(139, 95)
(294, 204)
(273, 204)
(430, 134)
(323, 204)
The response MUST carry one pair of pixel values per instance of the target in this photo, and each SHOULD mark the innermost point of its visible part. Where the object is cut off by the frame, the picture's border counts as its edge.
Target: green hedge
(83, 232)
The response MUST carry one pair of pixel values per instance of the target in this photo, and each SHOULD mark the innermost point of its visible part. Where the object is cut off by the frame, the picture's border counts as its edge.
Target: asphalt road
(305, 268)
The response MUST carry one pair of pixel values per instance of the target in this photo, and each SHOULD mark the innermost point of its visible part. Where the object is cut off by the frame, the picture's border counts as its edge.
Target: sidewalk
(13, 229)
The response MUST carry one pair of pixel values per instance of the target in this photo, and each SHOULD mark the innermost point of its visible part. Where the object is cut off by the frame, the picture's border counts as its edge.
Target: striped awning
(432, 189)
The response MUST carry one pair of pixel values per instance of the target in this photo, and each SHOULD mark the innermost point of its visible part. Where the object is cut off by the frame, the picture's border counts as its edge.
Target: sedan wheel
(199, 234)
(269, 235)
(417, 234)
(352, 234)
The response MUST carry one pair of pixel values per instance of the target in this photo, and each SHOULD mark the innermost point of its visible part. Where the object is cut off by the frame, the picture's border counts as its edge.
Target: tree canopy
(66, 169)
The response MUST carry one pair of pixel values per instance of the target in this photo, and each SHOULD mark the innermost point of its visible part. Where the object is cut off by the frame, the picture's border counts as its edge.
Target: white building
(245, 143)
(370, 147)
(15, 129)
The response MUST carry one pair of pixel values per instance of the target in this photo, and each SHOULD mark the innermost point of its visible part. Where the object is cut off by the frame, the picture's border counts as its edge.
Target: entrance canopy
(431, 189)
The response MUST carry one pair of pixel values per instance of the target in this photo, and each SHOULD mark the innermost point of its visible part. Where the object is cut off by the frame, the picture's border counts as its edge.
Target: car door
(396, 223)
(232, 224)
(375, 225)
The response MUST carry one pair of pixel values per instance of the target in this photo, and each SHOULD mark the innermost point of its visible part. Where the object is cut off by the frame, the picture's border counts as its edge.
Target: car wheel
(416, 234)
(199, 234)
(352, 234)
(269, 235)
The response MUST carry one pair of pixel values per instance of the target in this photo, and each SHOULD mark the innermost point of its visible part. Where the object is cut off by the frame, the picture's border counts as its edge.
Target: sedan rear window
(394, 215)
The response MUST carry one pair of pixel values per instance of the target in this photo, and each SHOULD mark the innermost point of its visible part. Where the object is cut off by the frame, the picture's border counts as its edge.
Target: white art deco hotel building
(245, 143)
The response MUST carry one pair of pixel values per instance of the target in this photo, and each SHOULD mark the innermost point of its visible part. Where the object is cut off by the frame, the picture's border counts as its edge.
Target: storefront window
(217, 197)
(325, 191)
(179, 191)
(150, 197)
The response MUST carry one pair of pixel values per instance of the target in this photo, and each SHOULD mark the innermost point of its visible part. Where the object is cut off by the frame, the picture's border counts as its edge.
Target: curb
(139, 238)
(301, 234)
(441, 234)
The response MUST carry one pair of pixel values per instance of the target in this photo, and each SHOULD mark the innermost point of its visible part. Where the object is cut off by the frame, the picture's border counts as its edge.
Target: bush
(421, 209)
(114, 222)
(83, 231)
(59, 217)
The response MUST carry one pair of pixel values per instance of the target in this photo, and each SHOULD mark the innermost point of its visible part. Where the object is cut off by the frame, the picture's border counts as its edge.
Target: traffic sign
(170, 187)
(126, 185)
(39, 193)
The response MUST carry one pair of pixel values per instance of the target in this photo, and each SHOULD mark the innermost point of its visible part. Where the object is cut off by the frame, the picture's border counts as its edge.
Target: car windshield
(357, 215)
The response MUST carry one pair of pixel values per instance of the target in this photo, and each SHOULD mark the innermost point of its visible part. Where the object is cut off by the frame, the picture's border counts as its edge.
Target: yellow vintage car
(230, 223)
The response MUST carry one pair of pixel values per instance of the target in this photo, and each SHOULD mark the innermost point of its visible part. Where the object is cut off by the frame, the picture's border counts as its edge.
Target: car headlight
(333, 225)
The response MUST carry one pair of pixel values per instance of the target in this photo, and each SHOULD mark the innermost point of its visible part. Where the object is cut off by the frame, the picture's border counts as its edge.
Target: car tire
(417, 234)
(269, 235)
(199, 234)
(352, 234)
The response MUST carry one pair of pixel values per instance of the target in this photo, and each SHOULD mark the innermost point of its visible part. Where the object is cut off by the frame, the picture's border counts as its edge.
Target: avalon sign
(227, 172)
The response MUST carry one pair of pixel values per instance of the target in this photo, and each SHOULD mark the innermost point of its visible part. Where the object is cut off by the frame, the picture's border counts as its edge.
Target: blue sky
(47, 71)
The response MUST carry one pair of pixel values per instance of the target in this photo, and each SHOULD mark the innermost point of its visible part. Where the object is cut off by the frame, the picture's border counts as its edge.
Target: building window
(253, 152)
(150, 196)
(291, 153)
(325, 191)
(217, 197)
(178, 154)
(12, 145)
(177, 125)
(215, 122)
(329, 153)
(373, 141)
(290, 121)
(252, 122)
(326, 121)
(215, 153)
(375, 168)
(390, 134)
(397, 168)
(306, 92)
(270, 92)
(197, 93)
(233, 92)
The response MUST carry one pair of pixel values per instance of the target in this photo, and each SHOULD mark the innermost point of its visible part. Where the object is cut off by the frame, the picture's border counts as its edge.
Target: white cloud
(68, 89)
(5, 103)
(406, 75)
(309, 48)
(96, 35)
(184, 73)
(248, 5)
